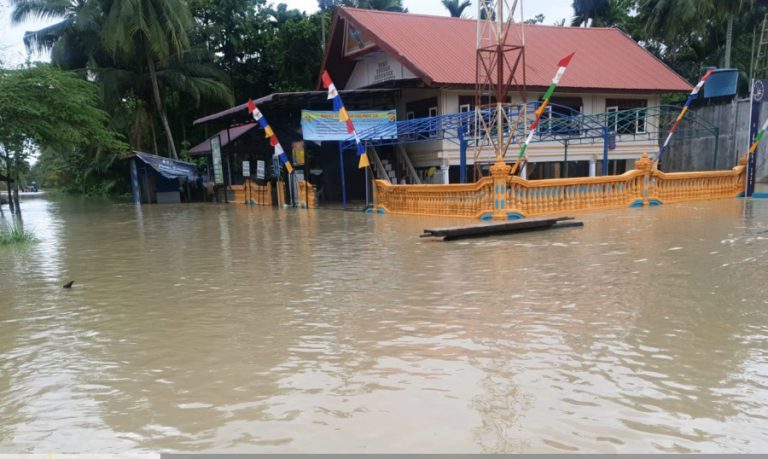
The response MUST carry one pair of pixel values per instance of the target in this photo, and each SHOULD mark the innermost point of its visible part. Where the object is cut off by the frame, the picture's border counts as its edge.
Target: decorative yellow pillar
(500, 173)
(645, 164)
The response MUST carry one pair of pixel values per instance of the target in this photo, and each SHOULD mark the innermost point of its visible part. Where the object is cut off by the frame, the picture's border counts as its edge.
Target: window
(410, 116)
(627, 116)
(467, 120)
(612, 117)
(433, 124)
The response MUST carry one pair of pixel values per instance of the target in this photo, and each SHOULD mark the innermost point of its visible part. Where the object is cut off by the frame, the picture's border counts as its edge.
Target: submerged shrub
(15, 234)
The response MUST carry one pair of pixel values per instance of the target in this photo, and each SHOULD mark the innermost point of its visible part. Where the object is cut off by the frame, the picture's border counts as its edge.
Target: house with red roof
(431, 61)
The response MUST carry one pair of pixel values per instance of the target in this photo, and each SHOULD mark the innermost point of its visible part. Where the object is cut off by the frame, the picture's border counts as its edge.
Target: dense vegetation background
(133, 74)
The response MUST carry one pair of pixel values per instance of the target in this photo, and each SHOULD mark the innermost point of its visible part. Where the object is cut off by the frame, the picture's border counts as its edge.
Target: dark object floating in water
(485, 229)
(69, 284)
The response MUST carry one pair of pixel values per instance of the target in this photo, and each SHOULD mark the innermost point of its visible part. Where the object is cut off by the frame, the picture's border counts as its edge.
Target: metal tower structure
(500, 66)
(760, 63)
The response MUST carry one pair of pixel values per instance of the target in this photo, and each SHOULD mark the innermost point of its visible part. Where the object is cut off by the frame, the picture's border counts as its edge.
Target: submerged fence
(503, 196)
(251, 193)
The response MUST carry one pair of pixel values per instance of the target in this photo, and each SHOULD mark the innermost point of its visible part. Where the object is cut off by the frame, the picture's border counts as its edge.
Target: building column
(592, 167)
(524, 171)
(444, 171)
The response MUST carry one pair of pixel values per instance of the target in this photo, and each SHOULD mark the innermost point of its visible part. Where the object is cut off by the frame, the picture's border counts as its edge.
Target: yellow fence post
(500, 171)
(645, 165)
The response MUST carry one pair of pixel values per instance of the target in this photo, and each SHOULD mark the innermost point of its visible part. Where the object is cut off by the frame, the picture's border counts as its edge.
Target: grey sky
(12, 51)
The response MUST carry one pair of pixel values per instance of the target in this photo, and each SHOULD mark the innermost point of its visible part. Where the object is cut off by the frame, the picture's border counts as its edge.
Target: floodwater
(224, 328)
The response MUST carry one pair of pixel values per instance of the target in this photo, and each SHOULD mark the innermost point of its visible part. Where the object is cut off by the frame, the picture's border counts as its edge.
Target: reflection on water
(227, 328)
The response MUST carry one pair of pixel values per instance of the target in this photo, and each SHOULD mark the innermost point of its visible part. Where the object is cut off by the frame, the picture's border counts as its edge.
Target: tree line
(133, 74)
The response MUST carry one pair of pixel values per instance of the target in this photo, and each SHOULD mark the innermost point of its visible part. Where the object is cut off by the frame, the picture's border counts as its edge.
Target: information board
(260, 169)
(325, 125)
(218, 171)
(246, 168)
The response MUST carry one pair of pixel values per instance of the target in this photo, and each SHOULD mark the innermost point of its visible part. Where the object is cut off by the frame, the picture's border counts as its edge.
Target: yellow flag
(343, 115)
(268, 131)
(363, 161)
(289, 167)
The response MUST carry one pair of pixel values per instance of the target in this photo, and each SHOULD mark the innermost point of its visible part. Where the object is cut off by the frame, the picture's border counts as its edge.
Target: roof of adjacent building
(442, 52)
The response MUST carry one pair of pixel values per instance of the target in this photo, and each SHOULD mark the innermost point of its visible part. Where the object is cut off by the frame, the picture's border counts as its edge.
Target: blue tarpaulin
(168, 168)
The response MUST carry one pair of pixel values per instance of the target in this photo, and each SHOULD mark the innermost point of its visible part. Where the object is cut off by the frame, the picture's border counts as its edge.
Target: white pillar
(524, 171)
(444, 171)
(592, 166)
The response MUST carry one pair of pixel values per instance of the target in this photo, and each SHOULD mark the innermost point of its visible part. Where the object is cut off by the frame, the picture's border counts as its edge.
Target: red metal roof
(441, 50)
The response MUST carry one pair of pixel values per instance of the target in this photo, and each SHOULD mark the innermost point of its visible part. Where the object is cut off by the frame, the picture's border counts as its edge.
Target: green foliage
(14, 234)
(52, 108)
(688, 35)
(455, 7)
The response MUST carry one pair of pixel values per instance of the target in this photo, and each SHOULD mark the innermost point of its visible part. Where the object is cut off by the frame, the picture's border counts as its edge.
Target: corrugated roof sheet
(204, 147)
(442, 51)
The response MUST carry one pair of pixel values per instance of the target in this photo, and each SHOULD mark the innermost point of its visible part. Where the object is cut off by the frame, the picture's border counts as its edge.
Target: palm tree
(73, 40)
(729, 9)
(382, 5)
(151, 30)
(598, 11)
(455, 8)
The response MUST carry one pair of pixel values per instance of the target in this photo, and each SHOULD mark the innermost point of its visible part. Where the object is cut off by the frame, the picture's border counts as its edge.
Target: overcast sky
(12, 50)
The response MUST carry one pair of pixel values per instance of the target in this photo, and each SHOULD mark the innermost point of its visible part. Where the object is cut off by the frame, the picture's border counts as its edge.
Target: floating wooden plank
(488, 228)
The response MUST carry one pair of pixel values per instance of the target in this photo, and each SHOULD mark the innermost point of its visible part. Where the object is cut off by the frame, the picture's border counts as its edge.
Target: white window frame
(433, 125)
(615, 110)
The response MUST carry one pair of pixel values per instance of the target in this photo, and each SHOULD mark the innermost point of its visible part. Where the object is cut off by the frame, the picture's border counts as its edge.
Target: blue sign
(168, 168)
(320, 126)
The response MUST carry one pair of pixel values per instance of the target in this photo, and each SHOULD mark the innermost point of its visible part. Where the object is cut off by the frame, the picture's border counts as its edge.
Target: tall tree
(381, 5)
(455, 7)
(42, 107)
(595, 13)
(151, 30)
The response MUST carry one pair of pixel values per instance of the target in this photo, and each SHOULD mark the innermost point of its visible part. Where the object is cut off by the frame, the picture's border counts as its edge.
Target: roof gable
(441, 51)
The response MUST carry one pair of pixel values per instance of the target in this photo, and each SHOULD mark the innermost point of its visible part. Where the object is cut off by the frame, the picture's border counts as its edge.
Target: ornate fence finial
(644, 164)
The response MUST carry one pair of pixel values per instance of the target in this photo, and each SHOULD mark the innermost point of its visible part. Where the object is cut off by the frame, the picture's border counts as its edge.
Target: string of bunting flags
(688, 103)
(270, 134)
(338, 106)
(561, 67)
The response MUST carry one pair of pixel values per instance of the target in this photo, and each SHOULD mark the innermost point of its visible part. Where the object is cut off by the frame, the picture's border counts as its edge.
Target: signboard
(260, 169)
(168, 168)
(218, 171)
(246, 168)
(325, 125)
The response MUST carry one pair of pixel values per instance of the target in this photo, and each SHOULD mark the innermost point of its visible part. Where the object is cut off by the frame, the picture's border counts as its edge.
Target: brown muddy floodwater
(231, 329)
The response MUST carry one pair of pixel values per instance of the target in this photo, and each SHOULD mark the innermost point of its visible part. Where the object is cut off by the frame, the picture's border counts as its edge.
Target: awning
(204, 148)
(168, 168)
(301, 99)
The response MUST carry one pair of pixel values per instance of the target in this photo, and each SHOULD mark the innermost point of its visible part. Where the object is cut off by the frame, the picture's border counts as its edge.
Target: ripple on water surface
(226, 328)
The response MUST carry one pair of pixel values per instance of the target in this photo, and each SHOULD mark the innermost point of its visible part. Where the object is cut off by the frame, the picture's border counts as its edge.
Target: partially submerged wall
(698, 153)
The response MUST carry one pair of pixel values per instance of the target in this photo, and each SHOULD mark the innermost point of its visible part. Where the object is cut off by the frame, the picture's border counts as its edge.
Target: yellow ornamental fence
(503, 196)
(456, 200)
(251, 193)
